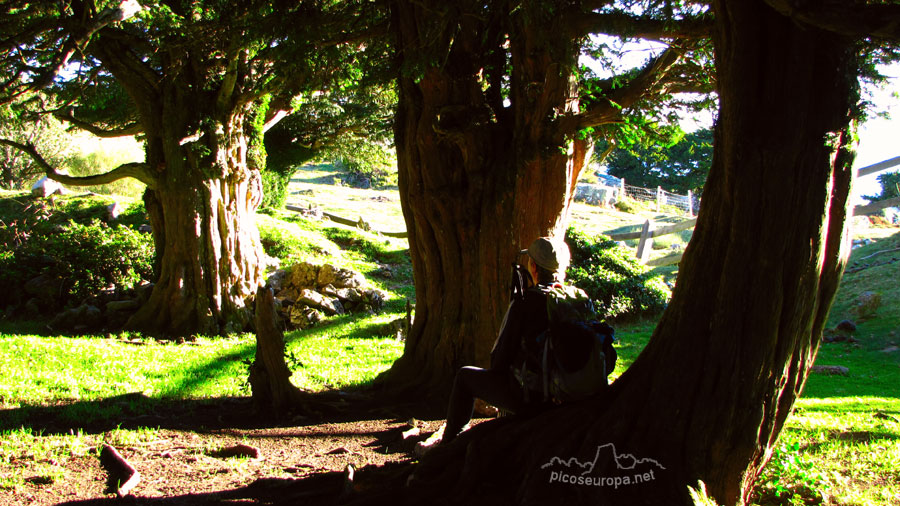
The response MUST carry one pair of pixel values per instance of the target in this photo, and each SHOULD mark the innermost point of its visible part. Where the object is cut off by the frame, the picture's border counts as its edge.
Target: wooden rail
(878, 167)
(876, 206)
(669, 229)
(360, 223)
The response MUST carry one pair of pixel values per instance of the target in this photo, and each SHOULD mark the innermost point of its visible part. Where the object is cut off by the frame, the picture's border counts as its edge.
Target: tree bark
(209, 255)
(270, 377)
(709, 395)
(478, 180)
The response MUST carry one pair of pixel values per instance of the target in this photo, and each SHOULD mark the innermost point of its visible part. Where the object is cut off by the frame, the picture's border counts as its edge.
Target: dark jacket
(524, 320)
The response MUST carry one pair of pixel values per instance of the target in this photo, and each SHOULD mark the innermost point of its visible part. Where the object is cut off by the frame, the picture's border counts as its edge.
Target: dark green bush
(84, 258)
(620, 286)
(275, 187)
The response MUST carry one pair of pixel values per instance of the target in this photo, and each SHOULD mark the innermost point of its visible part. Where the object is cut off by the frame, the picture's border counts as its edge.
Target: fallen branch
(864, 267)
(122, 475)
(880, 252)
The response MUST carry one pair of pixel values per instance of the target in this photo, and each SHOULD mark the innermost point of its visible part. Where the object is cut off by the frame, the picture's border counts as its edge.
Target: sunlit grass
(343, 355)
(39, 369)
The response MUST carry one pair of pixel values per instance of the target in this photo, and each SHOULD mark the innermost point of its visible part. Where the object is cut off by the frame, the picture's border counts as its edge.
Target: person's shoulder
(538, 292)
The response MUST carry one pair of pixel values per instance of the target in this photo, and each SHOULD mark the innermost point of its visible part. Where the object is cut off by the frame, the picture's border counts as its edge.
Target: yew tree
(202, 80)
(708, 396)
(492, 130)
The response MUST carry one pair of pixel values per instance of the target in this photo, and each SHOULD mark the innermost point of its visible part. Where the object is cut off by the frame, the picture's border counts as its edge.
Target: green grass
(314, 185)
(347, 352)
(49, 369)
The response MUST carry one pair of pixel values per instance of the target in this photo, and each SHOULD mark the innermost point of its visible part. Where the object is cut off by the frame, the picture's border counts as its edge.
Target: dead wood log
(270, 377)
(122, 476)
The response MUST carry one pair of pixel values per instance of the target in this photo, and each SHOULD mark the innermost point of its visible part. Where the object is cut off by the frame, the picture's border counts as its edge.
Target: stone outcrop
(305, 293)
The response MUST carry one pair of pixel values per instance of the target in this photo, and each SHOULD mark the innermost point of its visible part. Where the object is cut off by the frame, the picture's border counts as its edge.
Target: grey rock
(349, 294)
(45, 187)
(45, 287)
(832, 370)
(327, 275)
(846, 326)
(277, 280)
(143, 291)
(113, 211)
(81, 317)
(329, 290)
(123, 305)
(303, 275)
(304, 317)
(331, 306)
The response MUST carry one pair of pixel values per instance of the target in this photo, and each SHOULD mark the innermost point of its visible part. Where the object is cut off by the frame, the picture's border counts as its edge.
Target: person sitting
(525, 319)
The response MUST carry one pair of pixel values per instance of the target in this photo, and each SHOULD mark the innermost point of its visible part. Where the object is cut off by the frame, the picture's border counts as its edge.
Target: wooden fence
(648, 231)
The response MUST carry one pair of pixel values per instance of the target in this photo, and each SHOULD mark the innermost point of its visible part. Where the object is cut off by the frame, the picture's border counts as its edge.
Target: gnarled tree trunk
(478, 180)
(710, 393)
(202, 213)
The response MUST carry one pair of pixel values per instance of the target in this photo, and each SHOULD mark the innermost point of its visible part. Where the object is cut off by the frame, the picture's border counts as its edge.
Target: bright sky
(879, 138)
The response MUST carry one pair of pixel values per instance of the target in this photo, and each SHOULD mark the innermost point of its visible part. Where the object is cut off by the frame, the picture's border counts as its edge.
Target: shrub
(84, 258)
(620, 286)
(627, 205)
(275, 188)
(92, 257)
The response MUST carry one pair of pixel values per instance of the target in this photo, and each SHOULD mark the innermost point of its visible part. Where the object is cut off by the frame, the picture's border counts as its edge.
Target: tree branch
(139, 171)
(124, 10)
(642, 27)
(881, 21)
(610, 111)
(132, 129)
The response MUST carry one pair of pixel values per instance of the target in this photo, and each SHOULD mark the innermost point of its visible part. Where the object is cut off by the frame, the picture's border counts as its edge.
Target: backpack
(570, 360)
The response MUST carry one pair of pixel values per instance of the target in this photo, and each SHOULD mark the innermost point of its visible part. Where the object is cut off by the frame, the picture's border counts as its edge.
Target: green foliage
(791, 477)
(70, 244)
(275, 188)
(890, 187)
(17, 169)
(367, 164)
(350, 123)
(98, 157)
(619, 285)
(89, 258)
(677, 167)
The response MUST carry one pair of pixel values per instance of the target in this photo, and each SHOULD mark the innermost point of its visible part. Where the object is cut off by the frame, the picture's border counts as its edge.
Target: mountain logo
(630, 470)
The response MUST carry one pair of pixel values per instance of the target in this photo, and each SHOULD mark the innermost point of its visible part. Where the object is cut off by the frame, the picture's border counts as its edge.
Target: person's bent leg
(492, 386)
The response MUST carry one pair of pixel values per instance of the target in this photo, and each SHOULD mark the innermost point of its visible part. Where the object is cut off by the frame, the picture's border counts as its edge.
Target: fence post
(646, 242)
(659, 197)
(690, 208)
(622, 189)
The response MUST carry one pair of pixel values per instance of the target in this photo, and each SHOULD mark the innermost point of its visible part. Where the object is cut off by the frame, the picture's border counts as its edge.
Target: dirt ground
(183, 461)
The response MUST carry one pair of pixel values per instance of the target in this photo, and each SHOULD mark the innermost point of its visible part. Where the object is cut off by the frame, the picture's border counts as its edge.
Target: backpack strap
(545, 372)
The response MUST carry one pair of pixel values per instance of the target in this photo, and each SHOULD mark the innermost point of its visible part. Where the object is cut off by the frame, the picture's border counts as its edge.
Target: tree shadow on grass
(135, 410)
(319, 489)
(181, 408)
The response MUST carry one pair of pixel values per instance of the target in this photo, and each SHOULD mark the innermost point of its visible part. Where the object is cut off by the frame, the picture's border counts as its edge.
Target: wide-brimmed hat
(549, 253)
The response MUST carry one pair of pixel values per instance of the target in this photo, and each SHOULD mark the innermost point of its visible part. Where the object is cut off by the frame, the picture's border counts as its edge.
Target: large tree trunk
(478, 181)
(710, 393)
(202, 213)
